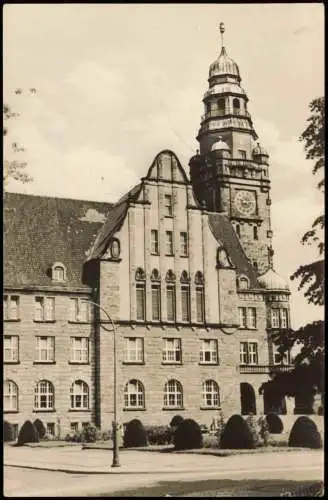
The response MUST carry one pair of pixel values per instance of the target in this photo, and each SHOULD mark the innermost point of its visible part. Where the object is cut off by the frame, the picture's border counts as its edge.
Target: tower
(230, 172)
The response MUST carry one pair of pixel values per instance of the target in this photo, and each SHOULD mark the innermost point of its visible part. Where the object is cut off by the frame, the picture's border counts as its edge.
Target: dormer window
(242, 154)
(58, 272)
(243, 283)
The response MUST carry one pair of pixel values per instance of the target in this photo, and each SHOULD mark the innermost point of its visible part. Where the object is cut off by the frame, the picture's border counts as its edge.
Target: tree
(307, 376)
(14, 169)
(311, 275)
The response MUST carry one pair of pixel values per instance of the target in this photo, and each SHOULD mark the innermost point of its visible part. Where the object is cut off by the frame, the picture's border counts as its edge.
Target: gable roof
(224, 232)
(42, 230)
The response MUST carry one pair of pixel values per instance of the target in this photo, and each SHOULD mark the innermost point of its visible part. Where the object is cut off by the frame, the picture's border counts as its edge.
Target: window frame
(177, 394)
(83, 394)
(168, 205)
(185, 304)
(42, 299)
(49, 350)
(154, 242)
(138, 393)
(247, 354)
(141, 288)
(7, 307)
(171, 351)
(172, 289)
(138, 350)
(76, 313)
(83, 349)
(184, 244)
(200, 292)
(49, 395)
(169, 244)
(213, 353)
(13, 349)
(156, 287)
(214, 394)
(10, 395)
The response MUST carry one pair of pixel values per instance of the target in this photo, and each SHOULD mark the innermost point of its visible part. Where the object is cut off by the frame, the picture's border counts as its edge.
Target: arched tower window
(221, 106)
(255, 233)
(208, 107)
(238, 230)
(236, 106)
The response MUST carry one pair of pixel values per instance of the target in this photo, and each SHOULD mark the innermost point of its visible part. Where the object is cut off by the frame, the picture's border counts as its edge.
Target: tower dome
(271, 280)
(220, 145)
(224, 65)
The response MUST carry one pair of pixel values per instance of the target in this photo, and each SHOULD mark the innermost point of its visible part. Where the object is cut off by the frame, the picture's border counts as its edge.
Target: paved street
(143, 469)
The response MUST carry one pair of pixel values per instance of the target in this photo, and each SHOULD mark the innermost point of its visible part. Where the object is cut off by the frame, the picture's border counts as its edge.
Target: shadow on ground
(225, 487)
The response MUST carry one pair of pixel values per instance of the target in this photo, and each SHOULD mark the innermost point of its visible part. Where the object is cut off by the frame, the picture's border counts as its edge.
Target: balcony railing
(215, 113)
(264, 368)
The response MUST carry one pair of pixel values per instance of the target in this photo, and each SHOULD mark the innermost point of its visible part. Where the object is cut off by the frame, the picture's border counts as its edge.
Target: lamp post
(116, 462)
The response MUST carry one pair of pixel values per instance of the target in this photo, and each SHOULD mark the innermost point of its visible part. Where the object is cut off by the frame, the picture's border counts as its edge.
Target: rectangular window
(170, 299)
(44, 309)
(243, 353)
(134, 350)
(251, 317)
(242, 317)
(154, 242)
(169, 243)
(45, 349)
(141, 302)
(156, 302)
(242, 154)
(74, 427)
(275, 318)
(79, 310)
(79, 350)
(252, 353)
(10, 348)
(209, 351)
(172, 351)
(200, 312)
(168, 206)
(11, 307)
(51, 429)
(183, 245)
(283, 318)
(185, 303)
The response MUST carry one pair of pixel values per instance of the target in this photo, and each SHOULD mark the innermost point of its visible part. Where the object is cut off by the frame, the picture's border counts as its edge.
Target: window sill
(11, 362)
(133, 363)
(44, 410)
(10, 411)
(137, 408)
(74, 410)
(156, 254)
(169, 216)
(9, 320)
(78, 362)
(184, 256)
(80, 322)
(44, 362)
(209, 363)
(175, 408)
(210, 407)
(44, 321)
(177, 363)
(169, 255)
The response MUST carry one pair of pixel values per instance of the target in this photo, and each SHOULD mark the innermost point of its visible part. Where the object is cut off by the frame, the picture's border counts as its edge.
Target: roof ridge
(12, 193)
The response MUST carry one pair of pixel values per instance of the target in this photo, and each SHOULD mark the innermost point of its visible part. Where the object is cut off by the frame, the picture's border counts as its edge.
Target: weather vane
(221, 32)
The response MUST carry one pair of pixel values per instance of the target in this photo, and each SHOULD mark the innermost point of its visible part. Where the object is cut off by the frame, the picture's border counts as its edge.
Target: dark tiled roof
(39, 231)
(225, 233)
(113, 222)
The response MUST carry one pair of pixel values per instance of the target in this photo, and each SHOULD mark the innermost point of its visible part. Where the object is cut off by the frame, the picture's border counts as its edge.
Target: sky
(115, 84)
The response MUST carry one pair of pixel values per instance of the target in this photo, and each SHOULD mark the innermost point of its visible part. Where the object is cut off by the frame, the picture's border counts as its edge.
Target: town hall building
(179, 273)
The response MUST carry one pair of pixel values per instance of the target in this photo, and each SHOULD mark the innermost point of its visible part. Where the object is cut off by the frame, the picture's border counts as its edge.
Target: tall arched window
(44, 396)
(243, 283)
(173, 394)
(10, 396)
(79, 395)
(134, 394)
(221, 106)
(236, 106)
(58, 272)
(211, 397)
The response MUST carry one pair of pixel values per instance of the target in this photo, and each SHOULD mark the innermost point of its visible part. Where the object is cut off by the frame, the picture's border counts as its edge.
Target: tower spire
(222, 30)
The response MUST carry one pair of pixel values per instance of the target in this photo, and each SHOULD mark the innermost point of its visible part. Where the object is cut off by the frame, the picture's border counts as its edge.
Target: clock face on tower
(245, 202)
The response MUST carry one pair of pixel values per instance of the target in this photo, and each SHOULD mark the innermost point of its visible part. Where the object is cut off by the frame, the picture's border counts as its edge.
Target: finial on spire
(222, 29)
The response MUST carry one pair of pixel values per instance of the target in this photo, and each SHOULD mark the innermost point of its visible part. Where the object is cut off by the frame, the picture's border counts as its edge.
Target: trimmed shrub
(135, 434)
(176, 421)
(188, 435)
(106, 435)
(39, 425)
(305, 434)
(27, 434)
(263, 430)
(159, 435)
(68, 438)
(8, 432)
(254, 428)
(237, 435)
(89, 434)
(77, 437)
(275, 423)
(211, 441)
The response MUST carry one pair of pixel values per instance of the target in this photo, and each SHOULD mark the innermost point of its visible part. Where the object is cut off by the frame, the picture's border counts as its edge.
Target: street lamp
(116, 462)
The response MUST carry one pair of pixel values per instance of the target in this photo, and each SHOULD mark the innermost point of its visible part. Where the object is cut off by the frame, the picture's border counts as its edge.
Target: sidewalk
(95, 461)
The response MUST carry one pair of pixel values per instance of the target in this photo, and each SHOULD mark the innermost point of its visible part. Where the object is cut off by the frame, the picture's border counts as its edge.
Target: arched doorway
(247, 399)
(274, 403)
